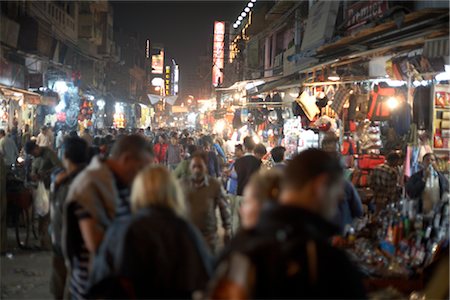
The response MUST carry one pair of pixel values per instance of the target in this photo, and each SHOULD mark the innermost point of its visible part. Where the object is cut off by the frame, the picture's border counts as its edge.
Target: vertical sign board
(167, 81)
(218, 53)
(176, 76)
(158, 62)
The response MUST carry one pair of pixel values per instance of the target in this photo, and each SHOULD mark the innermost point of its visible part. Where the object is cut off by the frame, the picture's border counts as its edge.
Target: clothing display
(421, 107)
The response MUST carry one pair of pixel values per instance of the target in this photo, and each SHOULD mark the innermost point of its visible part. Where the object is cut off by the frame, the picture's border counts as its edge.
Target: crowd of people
(176, 214)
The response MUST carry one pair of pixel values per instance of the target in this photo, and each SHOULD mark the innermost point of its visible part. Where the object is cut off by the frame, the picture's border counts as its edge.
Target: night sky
(184, 27)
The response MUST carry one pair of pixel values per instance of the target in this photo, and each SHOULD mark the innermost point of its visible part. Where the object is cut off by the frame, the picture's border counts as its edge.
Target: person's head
(2, 133)
(260, 151)
(238, 151)
(32, 149)
(130, 153)
(278, 154)
(190, 150)
(190, 141)
(75, 151)
(249, 144)
(393, 159)
(154, 186)
(262, 188)
(26, 128)
(162, 139)
(198, 165)
(428, 160)
(314, 181)
(330, 144)
(73, 133)
(173, 138)
(44, 129)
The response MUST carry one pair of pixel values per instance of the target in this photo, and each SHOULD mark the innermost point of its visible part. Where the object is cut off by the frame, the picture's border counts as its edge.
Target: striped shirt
(80, 264)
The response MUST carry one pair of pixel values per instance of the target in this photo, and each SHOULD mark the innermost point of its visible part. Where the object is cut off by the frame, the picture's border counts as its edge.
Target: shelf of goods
(441, 125)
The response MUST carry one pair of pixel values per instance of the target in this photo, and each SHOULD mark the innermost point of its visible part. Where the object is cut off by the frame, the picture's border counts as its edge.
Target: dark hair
(249, 144)
(30, 146)
(428, 155)
(201, 155)
(76, 150)
(278, 153)
(191, 149)
(133, 144)
(2, 132)
(260, 149)
(392, 158)
(310, 164)
(73, 133)
(239, 147)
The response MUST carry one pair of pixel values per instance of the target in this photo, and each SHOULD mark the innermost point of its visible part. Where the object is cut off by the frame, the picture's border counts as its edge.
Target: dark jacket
(416, 185)
(245, 167)
(58, 196)
(152, 254)
(350, 207)
(289, 256)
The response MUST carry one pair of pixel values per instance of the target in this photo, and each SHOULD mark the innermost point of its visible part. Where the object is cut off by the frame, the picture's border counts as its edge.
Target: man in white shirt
(45, 138)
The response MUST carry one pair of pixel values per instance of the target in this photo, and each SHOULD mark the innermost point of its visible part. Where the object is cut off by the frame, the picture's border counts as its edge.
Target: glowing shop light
(157, 81)
(101, 104)
(240, 18)
(247, 9)
(244, 14)
(219, 126)
(60, 107)
(445, 75)
(60, 87)
(256, 139)
(250, 4)
(334, 76)
(119, 108)
(392, 103)
(235, 25)
(238, 22)
(253, 1)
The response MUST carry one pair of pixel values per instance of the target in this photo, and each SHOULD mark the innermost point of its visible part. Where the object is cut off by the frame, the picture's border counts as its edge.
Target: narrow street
(25, 274)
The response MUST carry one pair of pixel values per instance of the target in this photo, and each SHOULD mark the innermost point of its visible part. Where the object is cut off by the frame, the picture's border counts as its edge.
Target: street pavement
(25, 274)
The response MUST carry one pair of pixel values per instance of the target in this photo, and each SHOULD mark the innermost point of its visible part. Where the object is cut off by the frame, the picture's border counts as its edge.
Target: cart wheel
(22, 241)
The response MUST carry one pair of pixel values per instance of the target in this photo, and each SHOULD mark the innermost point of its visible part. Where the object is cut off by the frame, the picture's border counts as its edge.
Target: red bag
(370, 161)
(378, 109)
(360, 178)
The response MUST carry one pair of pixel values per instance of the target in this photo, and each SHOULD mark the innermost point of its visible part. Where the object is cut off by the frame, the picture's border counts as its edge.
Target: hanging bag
(41, 200)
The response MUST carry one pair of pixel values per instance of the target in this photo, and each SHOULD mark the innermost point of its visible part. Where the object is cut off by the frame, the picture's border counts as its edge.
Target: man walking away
(288, 254)
(75, 157)
(98, 195)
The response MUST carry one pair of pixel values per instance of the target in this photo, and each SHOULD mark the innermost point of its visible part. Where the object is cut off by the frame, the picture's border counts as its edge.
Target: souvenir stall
(86, 115)
(19, 106)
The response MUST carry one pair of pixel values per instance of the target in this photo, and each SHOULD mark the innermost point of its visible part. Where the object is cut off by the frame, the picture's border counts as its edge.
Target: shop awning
(239, 85)
(280, 84)
(28, 97)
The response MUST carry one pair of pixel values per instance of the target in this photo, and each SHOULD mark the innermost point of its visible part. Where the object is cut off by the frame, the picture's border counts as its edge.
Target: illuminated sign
(218, 53)
(167, 81)
(158, 62)
(147, 49)
(176, 76)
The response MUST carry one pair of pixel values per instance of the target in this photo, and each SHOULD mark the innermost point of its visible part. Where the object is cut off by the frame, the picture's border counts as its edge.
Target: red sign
(364, 12)
(218, 53)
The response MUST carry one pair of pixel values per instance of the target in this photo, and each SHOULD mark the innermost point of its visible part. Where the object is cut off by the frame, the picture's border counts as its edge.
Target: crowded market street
(224, 149)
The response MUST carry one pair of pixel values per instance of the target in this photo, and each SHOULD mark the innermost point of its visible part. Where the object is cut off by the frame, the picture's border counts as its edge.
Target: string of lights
(244, 14)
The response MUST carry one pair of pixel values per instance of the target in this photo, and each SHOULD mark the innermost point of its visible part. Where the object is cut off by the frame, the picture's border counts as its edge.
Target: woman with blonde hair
(155, 253)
